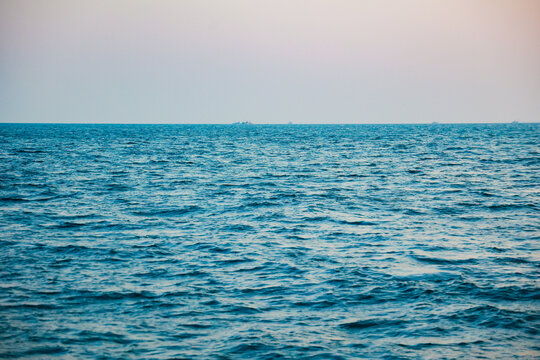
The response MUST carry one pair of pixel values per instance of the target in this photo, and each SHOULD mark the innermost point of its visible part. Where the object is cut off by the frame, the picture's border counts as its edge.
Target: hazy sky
(305, 61)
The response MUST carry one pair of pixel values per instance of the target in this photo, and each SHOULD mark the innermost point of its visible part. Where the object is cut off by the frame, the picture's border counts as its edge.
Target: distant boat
(242, 123)
(515, 122)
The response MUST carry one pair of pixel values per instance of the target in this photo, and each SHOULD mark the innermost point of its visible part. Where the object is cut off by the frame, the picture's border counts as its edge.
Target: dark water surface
(269, 242)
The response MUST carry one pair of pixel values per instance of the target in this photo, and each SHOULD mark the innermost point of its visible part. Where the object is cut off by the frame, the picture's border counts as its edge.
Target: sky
(279, 61)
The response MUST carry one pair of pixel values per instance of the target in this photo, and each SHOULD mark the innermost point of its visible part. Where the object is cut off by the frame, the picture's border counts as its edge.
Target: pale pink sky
(270, 61)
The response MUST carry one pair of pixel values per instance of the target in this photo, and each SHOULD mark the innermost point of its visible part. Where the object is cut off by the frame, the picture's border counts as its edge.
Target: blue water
(269, 242)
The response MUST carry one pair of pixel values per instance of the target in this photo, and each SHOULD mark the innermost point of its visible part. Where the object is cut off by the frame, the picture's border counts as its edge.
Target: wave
(308, 241)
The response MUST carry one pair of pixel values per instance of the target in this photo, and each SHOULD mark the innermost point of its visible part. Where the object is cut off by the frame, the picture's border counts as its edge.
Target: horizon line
(281, 123)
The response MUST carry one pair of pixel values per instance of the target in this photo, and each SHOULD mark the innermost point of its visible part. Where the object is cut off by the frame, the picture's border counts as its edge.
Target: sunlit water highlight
(269, 242)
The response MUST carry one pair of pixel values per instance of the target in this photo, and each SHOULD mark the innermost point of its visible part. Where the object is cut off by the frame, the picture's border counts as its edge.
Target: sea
(270, 241)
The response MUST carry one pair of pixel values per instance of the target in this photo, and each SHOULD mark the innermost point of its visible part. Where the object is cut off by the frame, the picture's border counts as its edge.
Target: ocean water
(269, 242)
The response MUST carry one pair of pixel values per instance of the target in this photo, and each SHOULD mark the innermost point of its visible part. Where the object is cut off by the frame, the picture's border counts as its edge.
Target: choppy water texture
(269, 242)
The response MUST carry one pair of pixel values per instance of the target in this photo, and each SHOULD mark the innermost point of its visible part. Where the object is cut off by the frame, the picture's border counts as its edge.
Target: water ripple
(269, 242)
